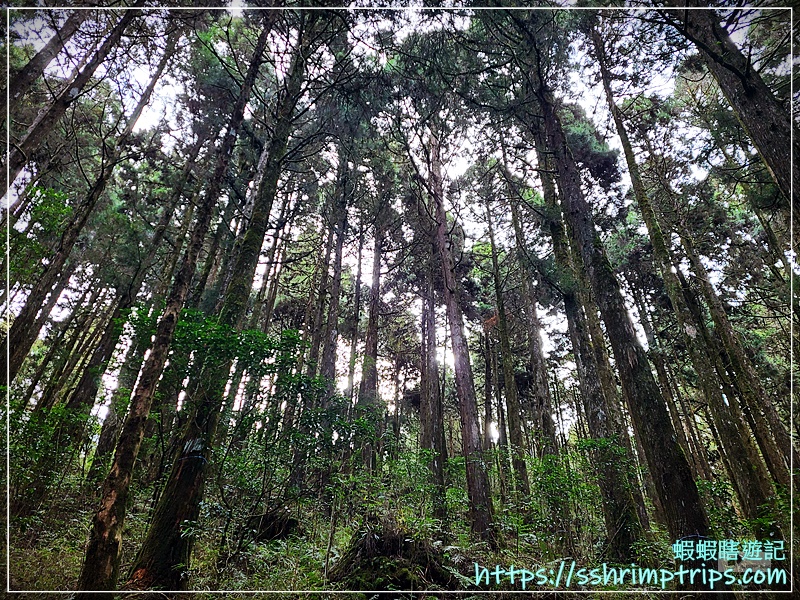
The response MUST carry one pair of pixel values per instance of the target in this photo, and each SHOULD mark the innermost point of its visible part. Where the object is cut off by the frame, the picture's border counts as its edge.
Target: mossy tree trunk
(667, 463)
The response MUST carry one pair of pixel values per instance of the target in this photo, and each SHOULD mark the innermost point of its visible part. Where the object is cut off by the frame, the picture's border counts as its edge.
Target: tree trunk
(480, 500)
(112, 425)
(101, 565)
(668, 465)
(747, 471)
(621, 495)
(23, 79)
(342, 194)
(81, 400)
(319, 309)
(431, 413)
(537, 369)
(368, 390)
(511, 391)
(746, 378)
(351, 368)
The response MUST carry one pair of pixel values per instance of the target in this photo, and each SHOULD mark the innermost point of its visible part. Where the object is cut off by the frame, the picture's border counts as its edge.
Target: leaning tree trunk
(81, 400)
(773, 439)
(112, 425)
(23, 79)
(747, 471)
(667, 463)
(101, 565)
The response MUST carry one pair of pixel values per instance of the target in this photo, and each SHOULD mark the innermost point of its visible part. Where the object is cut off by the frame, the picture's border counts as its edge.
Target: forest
(399, 301)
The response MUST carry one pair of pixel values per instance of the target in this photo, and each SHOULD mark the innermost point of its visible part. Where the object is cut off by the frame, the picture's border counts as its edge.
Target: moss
(382, 557)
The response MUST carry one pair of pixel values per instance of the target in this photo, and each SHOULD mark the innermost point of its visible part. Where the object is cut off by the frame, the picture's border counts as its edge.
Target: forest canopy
(394, 299)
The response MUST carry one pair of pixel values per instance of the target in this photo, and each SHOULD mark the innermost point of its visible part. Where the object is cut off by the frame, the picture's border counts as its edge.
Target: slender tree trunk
(656, 355)
(368, 389)
(621, 495)
(487, 391)
(319, 309)
(536, 364)
(213, 258)
(328, 363)
(23, 79)
(431, 413)
(503, 465)
(747, 380)
(112, 425)
(351, 370)
(511, 392)
(480, 500)
(55, 343)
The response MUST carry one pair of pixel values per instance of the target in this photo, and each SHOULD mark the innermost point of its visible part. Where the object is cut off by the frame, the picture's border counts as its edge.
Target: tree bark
(668, 465)
(101, 565)
(480, 500)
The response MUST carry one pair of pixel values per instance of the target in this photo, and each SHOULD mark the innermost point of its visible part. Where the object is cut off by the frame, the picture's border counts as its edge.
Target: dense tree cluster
(357, 298)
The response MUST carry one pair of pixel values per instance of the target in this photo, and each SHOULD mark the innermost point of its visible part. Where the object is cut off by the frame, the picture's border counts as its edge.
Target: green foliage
(718, 497)
(50, 213)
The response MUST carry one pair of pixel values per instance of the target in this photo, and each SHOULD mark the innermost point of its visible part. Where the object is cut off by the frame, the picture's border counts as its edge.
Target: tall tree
(675, 485)
(763, 116)
(101, 565)
(166, 545)
(748, 473)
